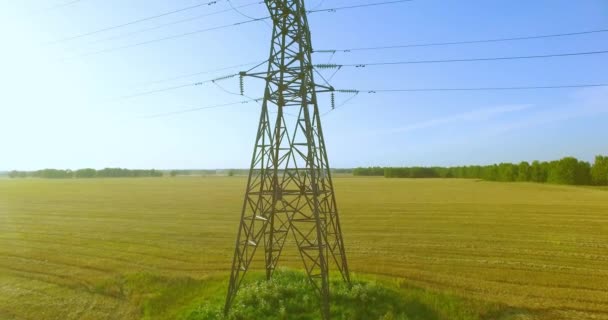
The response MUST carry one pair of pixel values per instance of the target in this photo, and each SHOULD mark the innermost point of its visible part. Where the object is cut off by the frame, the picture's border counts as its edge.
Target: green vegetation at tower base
(289, 296)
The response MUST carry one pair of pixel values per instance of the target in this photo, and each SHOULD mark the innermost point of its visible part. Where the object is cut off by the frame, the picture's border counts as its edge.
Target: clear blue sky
(60, 113)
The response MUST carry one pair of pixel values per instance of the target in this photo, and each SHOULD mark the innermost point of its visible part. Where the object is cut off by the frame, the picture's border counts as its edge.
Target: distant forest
(568, 170)
(86, 173)
(128, 173)
(116, 173)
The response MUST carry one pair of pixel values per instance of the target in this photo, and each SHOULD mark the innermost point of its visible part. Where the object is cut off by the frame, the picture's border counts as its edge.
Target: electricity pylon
(290, 189)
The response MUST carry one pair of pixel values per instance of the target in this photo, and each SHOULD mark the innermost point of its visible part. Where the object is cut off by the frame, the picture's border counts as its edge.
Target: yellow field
(539, 248)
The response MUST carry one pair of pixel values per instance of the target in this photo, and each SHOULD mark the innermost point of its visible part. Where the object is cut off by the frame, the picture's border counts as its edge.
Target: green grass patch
(289, 295)
(162, 297)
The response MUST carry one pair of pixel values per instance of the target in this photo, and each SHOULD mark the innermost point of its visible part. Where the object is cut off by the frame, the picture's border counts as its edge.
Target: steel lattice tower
(290, 189)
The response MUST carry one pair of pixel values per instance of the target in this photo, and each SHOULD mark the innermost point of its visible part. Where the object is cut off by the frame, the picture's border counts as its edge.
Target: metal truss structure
(290, 189)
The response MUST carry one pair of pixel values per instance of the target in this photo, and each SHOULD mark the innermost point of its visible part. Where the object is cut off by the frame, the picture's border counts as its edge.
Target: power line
(236, 9)
(199, 83)
(166, 38)
(372, 91)
(55, 7)
(65, 4)
(133, 22)
(120, 36)
(363, 65)
(69, 3)
(165, 114)
(319, 4)
(201, 72)
(432, 44)
(358, 6)
(356, 92)
(250, 99)
(228, 91)
(227, 26)
(154, 91)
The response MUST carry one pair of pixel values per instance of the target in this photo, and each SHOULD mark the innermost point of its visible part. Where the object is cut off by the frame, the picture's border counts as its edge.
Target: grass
(288, 296)
(138, 248)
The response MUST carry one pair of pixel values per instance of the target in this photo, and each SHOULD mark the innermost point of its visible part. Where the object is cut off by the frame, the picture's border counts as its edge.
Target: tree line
(86, 173)
(568, 170)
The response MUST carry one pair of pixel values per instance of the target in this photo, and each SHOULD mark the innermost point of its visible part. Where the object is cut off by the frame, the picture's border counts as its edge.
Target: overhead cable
(372, 64)
(89, 33)
(433, 44)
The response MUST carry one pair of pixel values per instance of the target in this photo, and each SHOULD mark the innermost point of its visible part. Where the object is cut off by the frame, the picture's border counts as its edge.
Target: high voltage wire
(193, 84)
(214, 80)
(371, 64)
(165, 114)
(319, 4)
(166, 38)
(372, 91)
(326, 66)
(365, 5)
(134, 22)
(69, 3)
(249, 99)
(236, 9)
(61, 5)
(52, 8)
(256, 100)
(356, 92)
(201, 5)
(218, 27)
(155, 91)
(208, 4)
(201, 72)
(432, 44)
(120, 36)
(369, 91)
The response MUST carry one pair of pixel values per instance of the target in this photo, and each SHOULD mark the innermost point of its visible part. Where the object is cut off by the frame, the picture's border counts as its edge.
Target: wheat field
(540, 251)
